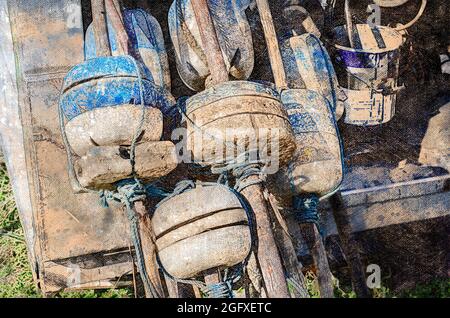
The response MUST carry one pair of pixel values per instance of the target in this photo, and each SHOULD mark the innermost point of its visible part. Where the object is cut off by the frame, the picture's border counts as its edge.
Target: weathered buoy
(194, 233)
(317, 166)
(146, 41)
(309, 66)
(233, 33)
(237, 114)
(110, 81)
(107, 102)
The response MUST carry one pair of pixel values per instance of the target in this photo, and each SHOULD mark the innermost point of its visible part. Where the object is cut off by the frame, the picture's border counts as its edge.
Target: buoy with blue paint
(111, 116)
(312, 101)
(233, 32)
(317, 166)
(308, 66)
(146, 44)
(308, 95)
(116, 102)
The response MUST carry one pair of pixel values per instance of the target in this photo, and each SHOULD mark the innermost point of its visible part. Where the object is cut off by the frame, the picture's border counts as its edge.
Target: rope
(143, 112)
(180, 188)
(128, 192)
(242, 168)
(305, 208)
(246, 171)
(219, 290)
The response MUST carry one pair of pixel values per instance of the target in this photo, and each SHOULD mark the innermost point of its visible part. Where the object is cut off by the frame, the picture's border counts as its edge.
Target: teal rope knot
(241, 168)
(128, 192)
(243, 172)
(305, 208)
(219, 290)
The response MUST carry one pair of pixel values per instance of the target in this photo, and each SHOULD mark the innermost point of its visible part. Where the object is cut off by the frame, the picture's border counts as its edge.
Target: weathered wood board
(46, 44)
(392, 204)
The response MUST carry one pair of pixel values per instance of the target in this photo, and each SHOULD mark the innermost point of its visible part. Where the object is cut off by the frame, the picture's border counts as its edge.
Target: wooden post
(100, 29)
(212, 276)
(314, 241)
(287, 251)
(310, 230)
(293, 266)
(148, 248)
(349, 246)
(273, 48)
(280, 78)
(216, 63)
(114, 12)
(267, 253)
(172, 287)
(268, 256)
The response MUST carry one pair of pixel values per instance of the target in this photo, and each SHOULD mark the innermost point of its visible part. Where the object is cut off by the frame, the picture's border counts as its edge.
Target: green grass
(438, 288)
(16, 279)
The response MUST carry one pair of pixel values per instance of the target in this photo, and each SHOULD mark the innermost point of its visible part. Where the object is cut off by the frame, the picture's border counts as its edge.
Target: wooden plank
(46, 43)
(395, 191)
(48, 35)
(393, 204)
(75, 277)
